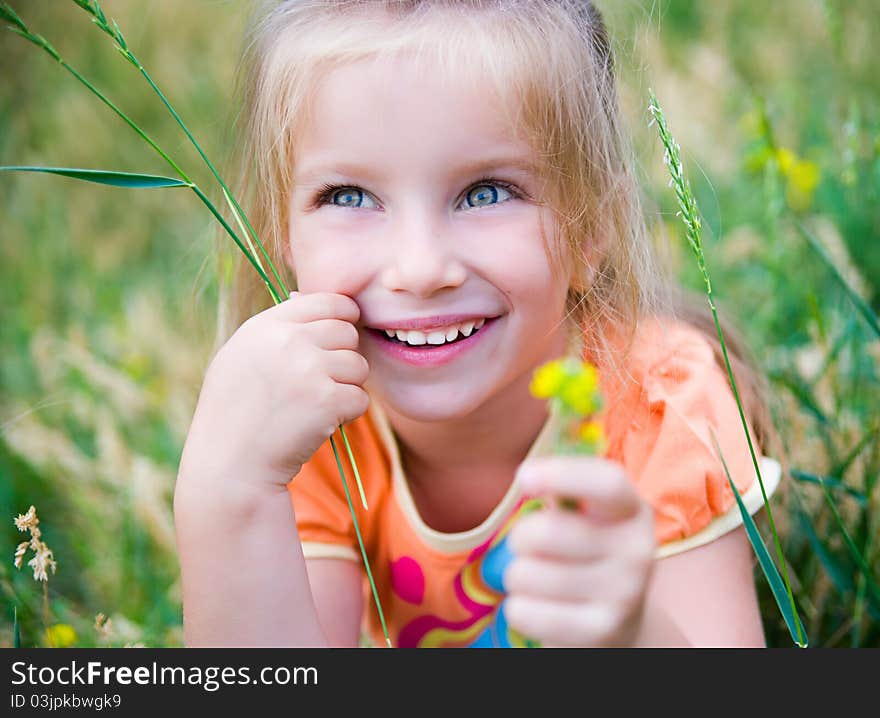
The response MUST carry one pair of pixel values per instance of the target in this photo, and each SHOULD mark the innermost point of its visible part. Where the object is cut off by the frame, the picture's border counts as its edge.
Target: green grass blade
(690, 215)
(802, 392)
(846, 462)
(94, 9)
(840, 575)
(360, 539)
(853, 549)
(860, 304)
(16, 633)
(108, 177)
(357, 475)
(792, 620)
(831, 483)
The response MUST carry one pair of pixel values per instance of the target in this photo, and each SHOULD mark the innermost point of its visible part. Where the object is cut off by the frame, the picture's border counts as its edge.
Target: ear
(582, 277)
(585, 269)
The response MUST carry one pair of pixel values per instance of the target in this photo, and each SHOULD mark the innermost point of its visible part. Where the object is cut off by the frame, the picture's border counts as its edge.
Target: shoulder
(668, 351)
(669, 402)
(667, 364)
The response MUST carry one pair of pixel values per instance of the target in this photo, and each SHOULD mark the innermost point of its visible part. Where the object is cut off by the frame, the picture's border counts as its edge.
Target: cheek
(325, 262)
(520, 267)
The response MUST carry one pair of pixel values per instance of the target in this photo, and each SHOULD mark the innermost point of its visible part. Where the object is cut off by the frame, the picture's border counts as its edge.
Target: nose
(423, 258)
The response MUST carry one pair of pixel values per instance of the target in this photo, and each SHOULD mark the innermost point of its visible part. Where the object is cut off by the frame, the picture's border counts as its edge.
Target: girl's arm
(245, 581)
(271, 396)
(337, 589)
(704, 597)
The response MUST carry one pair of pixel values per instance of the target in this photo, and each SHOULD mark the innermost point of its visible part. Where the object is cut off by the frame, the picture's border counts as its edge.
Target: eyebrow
(482, 166)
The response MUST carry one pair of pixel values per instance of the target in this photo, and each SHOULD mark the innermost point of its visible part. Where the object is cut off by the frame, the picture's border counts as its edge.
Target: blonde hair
(551, 65)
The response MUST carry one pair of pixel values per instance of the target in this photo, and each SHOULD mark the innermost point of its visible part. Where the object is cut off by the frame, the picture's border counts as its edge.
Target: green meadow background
(107, 295)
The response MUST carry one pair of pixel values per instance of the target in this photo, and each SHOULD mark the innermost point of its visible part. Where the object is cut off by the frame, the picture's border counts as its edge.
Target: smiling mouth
(426, 346)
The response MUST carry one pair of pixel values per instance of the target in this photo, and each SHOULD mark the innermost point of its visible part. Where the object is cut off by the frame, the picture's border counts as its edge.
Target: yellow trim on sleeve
(771, 473)
(315, 549)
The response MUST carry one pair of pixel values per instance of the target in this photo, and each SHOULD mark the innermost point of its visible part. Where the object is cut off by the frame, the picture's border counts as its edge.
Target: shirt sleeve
(663, 432)
(323, 515)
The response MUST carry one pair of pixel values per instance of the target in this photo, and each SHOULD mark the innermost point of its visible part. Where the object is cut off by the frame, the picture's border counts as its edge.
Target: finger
(333, 334)
(317, 305)
(347, 367)
(599, 486)
(562, 535)
(566, 581)
(350, 402)
(566, 625)
(557, 534)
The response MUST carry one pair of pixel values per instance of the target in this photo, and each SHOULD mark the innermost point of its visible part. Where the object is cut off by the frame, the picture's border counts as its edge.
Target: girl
(449, 186)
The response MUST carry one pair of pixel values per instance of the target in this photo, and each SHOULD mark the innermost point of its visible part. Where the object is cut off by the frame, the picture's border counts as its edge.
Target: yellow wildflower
(548, 380)
(60, 635)
(802, 182)
(574, 385)
(592, 432)
(802, 178)
(580, 391)
(786, 160)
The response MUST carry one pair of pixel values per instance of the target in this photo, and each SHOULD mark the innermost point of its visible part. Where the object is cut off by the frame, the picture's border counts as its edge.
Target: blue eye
(482, 194)
(348, 196)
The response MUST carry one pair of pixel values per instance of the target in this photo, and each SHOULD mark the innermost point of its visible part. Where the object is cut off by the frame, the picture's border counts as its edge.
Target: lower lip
(436, 355)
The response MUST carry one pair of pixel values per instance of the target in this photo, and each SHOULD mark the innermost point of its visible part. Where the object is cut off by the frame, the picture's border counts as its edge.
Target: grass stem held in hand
(93, 8)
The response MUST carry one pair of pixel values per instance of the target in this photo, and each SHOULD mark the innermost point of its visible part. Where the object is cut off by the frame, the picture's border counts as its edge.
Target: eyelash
(326, 191)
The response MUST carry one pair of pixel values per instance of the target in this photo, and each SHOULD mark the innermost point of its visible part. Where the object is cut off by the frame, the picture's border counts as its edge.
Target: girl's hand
(579, 575)
(278, 389)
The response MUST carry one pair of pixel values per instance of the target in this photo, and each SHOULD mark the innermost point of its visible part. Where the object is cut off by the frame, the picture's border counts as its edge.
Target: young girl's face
(415, 199)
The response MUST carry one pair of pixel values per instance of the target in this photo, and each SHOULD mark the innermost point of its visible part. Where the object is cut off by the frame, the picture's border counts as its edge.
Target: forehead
(405, 110)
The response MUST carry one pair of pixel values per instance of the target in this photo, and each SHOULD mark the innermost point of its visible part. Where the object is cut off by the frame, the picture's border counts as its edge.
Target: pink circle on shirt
(407, 579)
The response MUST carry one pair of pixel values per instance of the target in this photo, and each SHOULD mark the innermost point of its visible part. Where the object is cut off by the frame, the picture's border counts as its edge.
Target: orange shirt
(444, 589)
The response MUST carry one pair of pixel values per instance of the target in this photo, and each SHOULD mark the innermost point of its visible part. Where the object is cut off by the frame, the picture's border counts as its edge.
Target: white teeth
(436, 336)
(415, 338)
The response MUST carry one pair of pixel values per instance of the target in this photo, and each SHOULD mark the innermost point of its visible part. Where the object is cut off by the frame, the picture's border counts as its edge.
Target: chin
(429, 403)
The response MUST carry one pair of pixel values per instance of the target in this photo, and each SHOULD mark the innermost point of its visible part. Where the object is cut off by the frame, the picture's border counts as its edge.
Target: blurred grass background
(107, 296)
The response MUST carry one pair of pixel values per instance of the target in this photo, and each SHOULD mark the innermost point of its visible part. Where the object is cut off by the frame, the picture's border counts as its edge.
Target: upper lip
(434, 322)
